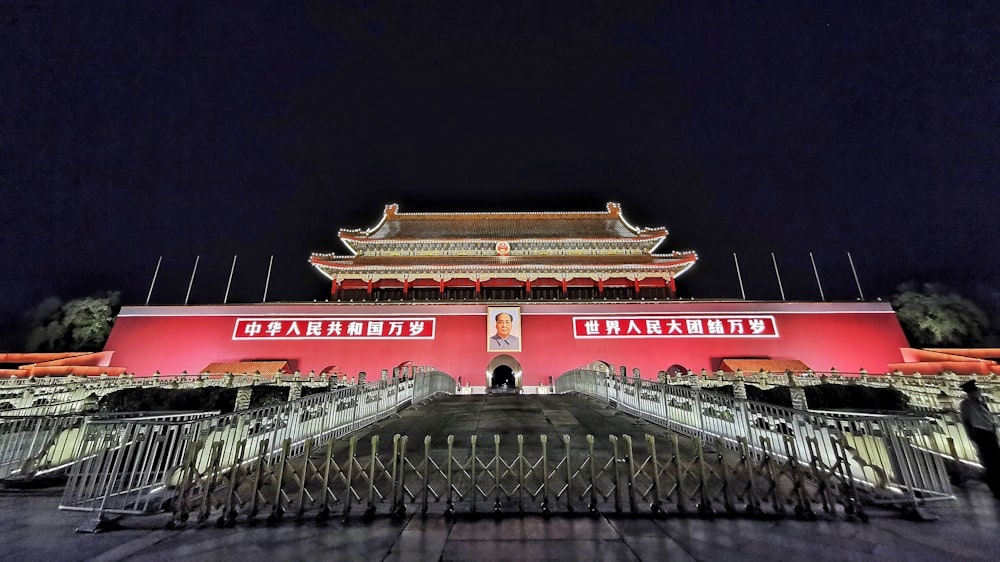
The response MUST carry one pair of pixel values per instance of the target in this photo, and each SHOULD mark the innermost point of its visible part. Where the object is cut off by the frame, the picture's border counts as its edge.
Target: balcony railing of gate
(893, 459)
(135, 466)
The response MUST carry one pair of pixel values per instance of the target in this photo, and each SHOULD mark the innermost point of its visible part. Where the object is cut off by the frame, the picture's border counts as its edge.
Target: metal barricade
(431, 383)
(521, 474)
(29, 444)
(895, 459)
(134, 466)
(121, 461)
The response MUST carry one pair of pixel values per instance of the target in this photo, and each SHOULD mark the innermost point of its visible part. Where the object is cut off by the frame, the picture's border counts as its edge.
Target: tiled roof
(60, 364)
(452, 266)
(247, 367)
(774, 366)
(502, 226)
(76, 370)
(585, 230)
(962, 361)
(28, 358)
(513, 262)
(975, 353)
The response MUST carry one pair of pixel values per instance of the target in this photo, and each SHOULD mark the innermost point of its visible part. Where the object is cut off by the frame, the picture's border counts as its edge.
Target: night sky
(130, 131)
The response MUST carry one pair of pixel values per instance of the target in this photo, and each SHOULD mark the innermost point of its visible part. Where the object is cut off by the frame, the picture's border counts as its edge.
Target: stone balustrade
(40, 394)
(931, 392)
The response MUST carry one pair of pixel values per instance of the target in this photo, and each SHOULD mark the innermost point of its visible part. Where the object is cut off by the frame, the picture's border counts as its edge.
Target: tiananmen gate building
(507, 297)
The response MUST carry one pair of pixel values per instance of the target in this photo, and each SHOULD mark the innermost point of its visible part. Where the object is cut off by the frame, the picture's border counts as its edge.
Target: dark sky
(134, 130)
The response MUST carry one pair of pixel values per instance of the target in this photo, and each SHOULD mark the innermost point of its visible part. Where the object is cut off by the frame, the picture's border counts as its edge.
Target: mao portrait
(503, 324)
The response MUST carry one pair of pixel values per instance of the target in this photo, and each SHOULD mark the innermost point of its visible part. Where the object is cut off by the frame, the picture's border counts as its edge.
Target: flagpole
(268, 282)
(778, 275)
(739, 276)
(225, 299)
(191, 282)
(822, 297)
(858, 283)
(155, 272)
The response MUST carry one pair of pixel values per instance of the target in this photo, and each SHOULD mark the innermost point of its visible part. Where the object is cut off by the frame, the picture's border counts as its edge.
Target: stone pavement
(967, 528)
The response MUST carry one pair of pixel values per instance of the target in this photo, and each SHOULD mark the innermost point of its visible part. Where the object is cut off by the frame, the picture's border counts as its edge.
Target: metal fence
(893, 459)
(517, 476)
(29, 444)
(35, 447)
(134, 466)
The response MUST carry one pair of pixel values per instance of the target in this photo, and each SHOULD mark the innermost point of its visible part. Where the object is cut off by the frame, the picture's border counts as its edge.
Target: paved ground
(968, 528)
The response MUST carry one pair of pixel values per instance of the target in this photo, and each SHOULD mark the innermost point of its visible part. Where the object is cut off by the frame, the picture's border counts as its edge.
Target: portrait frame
(494, 344)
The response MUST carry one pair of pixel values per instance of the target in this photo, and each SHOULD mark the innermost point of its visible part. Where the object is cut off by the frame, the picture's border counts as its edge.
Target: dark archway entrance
(503, 370)
(503, 377)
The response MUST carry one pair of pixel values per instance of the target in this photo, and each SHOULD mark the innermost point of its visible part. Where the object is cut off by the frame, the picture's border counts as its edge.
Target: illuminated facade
(520, 296)
(488, 256)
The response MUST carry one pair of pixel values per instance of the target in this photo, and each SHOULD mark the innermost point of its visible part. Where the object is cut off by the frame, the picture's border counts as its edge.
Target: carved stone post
(740, 387)
(295, 391)
(243, 398)
(798, 393)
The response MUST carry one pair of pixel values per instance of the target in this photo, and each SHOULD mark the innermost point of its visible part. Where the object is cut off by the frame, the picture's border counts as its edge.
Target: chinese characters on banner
(270, 328)
(333, 328)
(674, 327)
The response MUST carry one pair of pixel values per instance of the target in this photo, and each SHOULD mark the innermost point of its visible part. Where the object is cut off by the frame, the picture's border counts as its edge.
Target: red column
(369, 286)
(527, 286)
(673, 287)
(406, 286)
(600, 285)
(441, 286)
(333, 288)
(477, 286)
(637, 286)
(564, 286)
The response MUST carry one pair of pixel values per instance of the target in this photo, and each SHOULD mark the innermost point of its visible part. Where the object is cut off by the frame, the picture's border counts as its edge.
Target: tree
(934, 316)
(79, 325)
(211, 398)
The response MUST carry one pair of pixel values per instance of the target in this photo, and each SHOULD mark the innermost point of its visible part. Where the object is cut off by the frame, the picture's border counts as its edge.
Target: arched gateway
(577, 287)
(503, 371)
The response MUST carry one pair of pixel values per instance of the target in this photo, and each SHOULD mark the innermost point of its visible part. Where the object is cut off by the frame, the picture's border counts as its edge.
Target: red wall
(848, 336)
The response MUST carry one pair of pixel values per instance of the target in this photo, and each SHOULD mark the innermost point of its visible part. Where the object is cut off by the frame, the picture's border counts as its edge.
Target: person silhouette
(981, 427)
